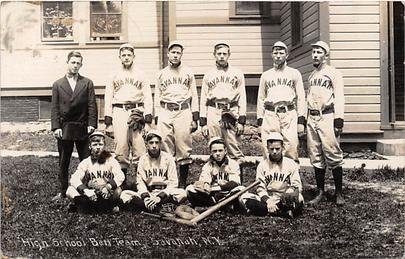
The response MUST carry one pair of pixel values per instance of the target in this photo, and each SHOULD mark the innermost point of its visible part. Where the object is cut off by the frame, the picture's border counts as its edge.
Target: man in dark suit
(74, 116)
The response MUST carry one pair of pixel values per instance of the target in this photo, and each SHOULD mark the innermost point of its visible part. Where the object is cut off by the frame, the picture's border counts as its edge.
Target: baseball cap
(153, 133)
(127, 46)
(321, 44)
(280, 44)
(216, 140)
(274, 136)
(97, 133)
(175, 43)
(221, 42)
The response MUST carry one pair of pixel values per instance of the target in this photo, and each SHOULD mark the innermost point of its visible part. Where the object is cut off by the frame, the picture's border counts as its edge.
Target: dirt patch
(371, 224)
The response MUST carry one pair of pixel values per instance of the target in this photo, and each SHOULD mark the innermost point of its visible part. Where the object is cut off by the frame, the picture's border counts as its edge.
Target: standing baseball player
(74, 116)
(325, 121)
(279, 192)
(223, 102)
(176, 108)
(156, 179)
(219, 178)
(281, 102)
(97, 179)
(128, 95)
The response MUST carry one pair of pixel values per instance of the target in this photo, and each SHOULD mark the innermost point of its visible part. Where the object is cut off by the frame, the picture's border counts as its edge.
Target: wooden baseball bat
(219, 205)
(174, 219)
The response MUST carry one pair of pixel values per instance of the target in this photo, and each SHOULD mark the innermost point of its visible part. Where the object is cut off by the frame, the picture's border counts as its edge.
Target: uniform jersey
(128, 86)
(159, 171)
(281, 85)
(275, 177)
(326, 88)
(176, 85)
(89, 170)
(225, 86)
(212, 173)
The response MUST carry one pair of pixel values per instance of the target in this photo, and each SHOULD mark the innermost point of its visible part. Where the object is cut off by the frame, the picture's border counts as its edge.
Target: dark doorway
(397, 71)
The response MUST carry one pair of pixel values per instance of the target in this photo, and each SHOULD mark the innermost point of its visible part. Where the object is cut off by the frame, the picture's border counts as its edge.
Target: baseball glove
(136, 120)
(228, 120)
(201, 186)
(290, 198)
(97, 184)
(186, 212)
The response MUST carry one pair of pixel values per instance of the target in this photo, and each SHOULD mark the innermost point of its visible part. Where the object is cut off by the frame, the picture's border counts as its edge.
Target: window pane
(104, 7)
(57, 21)
(58, 28)
(248, 8)
(296, 23)
(105, 25)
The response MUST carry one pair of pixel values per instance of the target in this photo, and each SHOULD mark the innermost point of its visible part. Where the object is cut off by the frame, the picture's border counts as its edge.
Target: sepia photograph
(202, 129)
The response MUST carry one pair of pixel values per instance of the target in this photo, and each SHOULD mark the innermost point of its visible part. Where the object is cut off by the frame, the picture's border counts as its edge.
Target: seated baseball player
(279, 193)
(156, 178)
(97, 180)
(219, 178)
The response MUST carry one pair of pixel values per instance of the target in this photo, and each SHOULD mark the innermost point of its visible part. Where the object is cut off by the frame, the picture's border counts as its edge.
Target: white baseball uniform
(274, 180)
(128, 90)
(89, 170)
(280, 106)
(156, 176)
(176, 105)
(325, 104)
(228, 174)
(223, 89)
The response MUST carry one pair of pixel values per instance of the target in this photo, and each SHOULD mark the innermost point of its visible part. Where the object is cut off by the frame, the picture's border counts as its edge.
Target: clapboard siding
(143, 28)
(250, 44)
(357, 90)
(310, 23)
(202, 9)
(354, 42)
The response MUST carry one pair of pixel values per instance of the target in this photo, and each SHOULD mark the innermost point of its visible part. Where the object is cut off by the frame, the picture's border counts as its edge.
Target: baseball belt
(128, 106)
(279, 108)
(175, 106)
(222, 106)
(328, 109)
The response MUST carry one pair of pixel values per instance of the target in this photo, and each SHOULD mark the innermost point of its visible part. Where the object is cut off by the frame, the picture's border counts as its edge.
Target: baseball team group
(153, 134)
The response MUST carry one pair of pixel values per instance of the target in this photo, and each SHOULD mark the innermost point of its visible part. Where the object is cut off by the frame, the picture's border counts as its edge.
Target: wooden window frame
(121, 37)
(265, 9)
(296, 21)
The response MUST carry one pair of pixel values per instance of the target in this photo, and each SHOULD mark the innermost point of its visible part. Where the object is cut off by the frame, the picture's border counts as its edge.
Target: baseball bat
(219, 205)
(174, 219)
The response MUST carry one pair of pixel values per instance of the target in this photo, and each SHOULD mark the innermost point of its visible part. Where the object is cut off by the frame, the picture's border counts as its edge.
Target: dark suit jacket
(73, 111)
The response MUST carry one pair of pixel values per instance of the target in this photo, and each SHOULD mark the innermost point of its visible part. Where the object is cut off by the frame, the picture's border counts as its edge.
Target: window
(105, 20)
(296, 24)
(57, 21)
(243, 9)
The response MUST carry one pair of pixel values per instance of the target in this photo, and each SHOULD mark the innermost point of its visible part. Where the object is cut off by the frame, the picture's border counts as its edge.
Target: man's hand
(90, 129)
(301, 131)
(271, 206)
(106, 191)
(57, 133)
(204, 131)
(193, 126)
(240, 128)
(338, 131)
(91, 194)
(151, 202)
